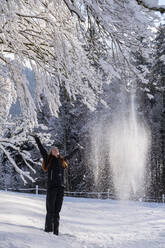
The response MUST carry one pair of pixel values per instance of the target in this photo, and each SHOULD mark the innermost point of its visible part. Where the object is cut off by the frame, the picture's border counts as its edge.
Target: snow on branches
(122, 26)
(152, 5)
(47, 35)
(44, 35)
(7, 96)
(75, 10)
(13, 137)
(68, 45)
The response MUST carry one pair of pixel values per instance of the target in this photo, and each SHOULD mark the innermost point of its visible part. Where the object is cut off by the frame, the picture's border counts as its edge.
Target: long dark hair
(50, 158)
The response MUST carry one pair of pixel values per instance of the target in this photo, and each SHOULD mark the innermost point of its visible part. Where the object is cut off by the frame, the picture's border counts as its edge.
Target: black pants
(54, 200)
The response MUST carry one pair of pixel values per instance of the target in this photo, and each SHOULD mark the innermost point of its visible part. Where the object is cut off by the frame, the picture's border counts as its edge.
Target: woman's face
(55, 152)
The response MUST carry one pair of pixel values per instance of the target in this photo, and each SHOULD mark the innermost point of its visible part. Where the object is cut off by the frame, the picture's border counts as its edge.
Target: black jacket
(55, 169)
(55, 173)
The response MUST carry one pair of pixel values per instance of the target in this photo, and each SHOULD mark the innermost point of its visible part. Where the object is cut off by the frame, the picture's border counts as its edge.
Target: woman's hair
(50, 157)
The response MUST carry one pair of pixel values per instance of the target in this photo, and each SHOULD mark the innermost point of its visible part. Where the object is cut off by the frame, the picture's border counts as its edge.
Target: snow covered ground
(85, 223)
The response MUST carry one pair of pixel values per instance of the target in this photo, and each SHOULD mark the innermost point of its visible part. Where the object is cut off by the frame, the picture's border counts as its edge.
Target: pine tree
(157, 113)
(159, 78)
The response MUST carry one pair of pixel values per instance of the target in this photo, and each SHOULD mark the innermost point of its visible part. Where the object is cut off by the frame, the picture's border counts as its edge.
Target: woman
(54, 164)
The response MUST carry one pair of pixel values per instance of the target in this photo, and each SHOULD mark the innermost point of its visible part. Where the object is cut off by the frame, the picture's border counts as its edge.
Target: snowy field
(85, 223)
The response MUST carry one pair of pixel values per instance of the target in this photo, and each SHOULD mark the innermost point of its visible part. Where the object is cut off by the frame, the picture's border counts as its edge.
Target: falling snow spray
(125, 141)
(129, 146)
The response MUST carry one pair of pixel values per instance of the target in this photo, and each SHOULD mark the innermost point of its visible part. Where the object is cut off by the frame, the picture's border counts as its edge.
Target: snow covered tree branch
(152, 5)
(73, 9)
(22, 173)
(7, 96)
(49, 43)
(11, 144)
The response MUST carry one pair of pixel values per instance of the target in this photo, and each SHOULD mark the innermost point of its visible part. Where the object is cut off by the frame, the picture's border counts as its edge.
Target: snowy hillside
(85, 223)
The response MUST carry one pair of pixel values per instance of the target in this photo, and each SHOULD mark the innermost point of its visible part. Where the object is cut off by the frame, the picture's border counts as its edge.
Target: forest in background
(64, 67)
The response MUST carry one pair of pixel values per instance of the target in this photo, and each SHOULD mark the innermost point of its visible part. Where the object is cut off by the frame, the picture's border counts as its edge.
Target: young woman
(54, 164)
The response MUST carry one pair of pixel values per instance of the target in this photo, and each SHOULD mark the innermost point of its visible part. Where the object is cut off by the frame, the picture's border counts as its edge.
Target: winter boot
(48, 223)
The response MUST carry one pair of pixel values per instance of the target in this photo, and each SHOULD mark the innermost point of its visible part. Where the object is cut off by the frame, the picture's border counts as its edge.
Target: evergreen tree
(158, 81)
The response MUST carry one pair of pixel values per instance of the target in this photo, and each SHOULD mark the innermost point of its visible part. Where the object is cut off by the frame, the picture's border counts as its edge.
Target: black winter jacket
(55, 170)
(55, 173)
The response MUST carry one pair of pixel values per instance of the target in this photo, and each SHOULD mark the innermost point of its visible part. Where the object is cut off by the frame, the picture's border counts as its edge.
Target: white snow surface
(85, 223)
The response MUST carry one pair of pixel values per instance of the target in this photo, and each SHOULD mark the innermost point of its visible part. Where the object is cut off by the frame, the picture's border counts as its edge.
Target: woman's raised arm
(41, 148)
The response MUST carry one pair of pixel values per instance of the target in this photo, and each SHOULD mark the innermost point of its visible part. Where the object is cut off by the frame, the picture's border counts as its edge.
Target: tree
(72, 47)
(157, 81)
(53, 43)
